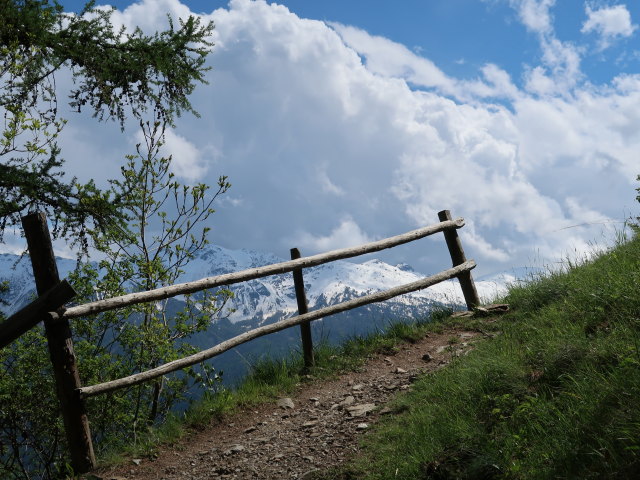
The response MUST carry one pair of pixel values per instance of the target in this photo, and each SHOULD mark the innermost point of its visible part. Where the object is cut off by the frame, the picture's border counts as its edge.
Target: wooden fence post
(60, 344)
(457, 257)
(305, 328)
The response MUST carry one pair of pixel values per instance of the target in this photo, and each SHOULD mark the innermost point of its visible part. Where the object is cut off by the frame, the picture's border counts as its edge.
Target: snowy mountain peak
(271, 297)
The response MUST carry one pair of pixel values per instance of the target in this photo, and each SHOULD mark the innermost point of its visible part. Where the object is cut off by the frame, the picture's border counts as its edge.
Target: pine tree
(117, 74)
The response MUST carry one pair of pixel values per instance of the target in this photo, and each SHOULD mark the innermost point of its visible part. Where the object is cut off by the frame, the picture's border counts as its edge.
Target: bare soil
(318, 427)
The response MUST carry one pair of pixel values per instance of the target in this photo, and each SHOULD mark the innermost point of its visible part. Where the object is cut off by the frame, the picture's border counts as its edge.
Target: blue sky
(459, 35)
(340, 122)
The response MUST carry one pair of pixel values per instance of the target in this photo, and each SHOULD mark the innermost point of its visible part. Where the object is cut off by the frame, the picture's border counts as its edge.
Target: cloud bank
(332, 136)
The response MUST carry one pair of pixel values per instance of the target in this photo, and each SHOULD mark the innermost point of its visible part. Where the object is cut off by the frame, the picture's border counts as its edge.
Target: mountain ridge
(261, 300)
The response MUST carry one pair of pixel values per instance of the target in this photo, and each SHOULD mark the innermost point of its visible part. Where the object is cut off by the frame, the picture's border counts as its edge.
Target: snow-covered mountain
(266, 299)
(271, 298)
(22, 288)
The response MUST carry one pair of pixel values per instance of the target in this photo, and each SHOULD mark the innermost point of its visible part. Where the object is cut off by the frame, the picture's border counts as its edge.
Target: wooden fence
(53, 294)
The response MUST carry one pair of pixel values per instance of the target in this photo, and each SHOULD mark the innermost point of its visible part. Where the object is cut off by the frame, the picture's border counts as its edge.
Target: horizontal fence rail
(253, 273)
(272, 328)
(28, 317)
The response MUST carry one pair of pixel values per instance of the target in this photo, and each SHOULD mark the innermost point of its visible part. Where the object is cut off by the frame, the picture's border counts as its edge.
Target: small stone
(347, 401)
(362, 426)
(308, 458)
(385, 411)
(400, 370)
(278, 456)
(137, 461)
(286, 403)
(249, 430)
(234, 449)
(314, 399)
(361, 410)
(388, 360)
(357, 388)
(309, 424)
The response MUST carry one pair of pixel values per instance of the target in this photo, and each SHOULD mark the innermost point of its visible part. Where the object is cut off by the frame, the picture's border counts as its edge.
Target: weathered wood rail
(253, 273)
(49, 307)
(272, 328)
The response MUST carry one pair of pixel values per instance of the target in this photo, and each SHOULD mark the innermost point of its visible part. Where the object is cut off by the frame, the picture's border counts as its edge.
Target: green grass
(555, 395)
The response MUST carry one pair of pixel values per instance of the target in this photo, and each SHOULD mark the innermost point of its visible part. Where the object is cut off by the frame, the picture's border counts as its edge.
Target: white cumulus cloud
(347, 234)
(610, 23)
(332, 136)
(535, 14)
(187, 161)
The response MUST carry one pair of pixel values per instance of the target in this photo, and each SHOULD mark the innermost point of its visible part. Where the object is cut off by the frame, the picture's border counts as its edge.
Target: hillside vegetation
(554, 395)
(551, 392)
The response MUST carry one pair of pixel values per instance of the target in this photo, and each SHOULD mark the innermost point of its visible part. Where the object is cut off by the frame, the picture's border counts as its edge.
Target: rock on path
(316, 428)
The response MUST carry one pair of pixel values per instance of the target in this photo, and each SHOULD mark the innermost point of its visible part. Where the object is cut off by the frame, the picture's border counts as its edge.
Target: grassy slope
(556, 395)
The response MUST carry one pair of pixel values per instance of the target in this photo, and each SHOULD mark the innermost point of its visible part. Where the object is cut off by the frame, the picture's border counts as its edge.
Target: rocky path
(318, 427)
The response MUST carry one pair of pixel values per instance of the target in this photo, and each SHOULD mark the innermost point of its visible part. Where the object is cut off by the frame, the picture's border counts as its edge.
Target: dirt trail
(318, 427)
